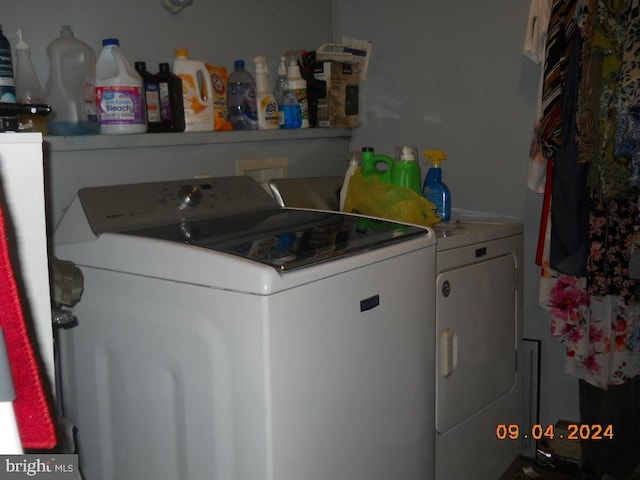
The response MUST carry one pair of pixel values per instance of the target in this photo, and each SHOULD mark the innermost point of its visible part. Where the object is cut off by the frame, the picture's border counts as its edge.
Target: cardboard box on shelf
(339, 103)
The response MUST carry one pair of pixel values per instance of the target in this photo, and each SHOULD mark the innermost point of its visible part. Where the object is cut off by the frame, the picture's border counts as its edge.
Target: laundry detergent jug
(379, 165)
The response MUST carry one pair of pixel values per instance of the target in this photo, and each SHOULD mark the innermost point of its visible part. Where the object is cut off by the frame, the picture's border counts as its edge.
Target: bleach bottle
(119, 92)
(434, 188)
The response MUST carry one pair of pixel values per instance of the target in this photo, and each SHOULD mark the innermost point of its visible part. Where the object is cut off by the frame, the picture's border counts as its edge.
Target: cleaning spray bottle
(354, 164)
(265, 101)
(433, 188)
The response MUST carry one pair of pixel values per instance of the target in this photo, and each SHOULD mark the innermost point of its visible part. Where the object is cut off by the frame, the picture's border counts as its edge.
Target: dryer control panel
(119, 208)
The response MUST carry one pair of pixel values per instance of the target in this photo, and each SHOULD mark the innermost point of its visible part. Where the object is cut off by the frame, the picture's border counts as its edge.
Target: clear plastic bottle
(299, 85)
(290, 114)
(171, 101)
(7, 80)
(265, 101)
(70, 89)
(241, 98)
(119, 92)
(28, 89)
(281, 81)
(152, 97)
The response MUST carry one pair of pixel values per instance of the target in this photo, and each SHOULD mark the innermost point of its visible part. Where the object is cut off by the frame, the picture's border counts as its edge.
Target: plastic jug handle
(371, 166)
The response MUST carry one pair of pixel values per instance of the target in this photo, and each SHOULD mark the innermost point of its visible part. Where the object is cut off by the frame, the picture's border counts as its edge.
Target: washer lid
(285, 238)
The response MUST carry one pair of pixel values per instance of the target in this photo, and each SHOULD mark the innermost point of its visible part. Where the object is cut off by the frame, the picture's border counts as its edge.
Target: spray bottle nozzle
(21, 45)
(436, 156)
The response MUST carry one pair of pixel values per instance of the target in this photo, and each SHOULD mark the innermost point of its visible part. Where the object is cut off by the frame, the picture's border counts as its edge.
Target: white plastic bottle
(354, 165)
(70, 89)
(119, 92)
(196, 92)
(299, 84)
(265, 101)
(28, 89)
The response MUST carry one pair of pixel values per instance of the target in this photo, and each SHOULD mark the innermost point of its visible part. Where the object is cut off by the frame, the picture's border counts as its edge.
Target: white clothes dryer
(222, 336)
(479, 347)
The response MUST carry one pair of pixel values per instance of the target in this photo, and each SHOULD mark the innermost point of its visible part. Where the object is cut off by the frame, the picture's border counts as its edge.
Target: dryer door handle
(448, 352)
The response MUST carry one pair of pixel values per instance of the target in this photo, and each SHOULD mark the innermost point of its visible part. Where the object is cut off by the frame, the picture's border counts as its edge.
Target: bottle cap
(182, 52)
(261, 64)
(407, 154)
(436, 156)
(293, 73)
(21, 45)
(282, 68)
(238, 63)
(66, 31)
(110, 41)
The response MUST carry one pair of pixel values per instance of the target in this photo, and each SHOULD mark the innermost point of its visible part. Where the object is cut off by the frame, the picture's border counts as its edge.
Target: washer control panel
(120, 208)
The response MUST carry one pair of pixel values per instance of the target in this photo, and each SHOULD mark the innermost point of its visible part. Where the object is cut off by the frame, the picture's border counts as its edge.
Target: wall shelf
(146, 140)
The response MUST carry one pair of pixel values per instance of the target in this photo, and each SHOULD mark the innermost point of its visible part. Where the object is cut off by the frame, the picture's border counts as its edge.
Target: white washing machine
(479, 347)
(221, 336)
(478, 333)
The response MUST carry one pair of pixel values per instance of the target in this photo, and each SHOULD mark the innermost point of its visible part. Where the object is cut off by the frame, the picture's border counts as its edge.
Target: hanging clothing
(609, 174)
(592, 137)
(562, 25)
(534, 49)
(588, 92)
(570, 196)
(594, 312)
(627, 134)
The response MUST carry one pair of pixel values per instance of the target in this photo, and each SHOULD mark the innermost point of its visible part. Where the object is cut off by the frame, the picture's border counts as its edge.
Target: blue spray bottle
(434, 188)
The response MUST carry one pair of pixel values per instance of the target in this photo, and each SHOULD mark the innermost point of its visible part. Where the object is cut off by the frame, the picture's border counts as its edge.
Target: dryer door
(476, 327)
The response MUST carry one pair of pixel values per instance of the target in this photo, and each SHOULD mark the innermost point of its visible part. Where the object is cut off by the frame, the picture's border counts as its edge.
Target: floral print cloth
(597, 316)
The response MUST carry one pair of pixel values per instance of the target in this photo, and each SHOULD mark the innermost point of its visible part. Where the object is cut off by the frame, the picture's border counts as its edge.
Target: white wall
(451, 75)
(443, 74)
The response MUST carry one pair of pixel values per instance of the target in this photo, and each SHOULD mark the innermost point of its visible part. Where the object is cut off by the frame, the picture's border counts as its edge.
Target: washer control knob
(189, 196)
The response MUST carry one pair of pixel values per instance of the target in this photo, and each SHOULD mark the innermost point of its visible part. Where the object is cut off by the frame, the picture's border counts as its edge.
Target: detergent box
(339, 98)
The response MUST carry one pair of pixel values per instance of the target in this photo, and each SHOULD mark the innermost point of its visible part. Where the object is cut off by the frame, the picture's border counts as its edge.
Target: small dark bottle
(152, 97)
(7, 79)
(171, 101)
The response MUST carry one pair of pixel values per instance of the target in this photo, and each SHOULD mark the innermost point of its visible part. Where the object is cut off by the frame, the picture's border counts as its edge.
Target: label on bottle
(196, 112)
(269, 106)
(7, 82)
(165, 101)
(153, 102)
(303, 100)
(120, 105)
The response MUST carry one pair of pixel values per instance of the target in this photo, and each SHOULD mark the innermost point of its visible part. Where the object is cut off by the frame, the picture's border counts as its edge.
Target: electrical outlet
(263, 169)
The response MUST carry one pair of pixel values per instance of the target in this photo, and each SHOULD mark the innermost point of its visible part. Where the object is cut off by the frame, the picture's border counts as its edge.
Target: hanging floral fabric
(589, 293)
